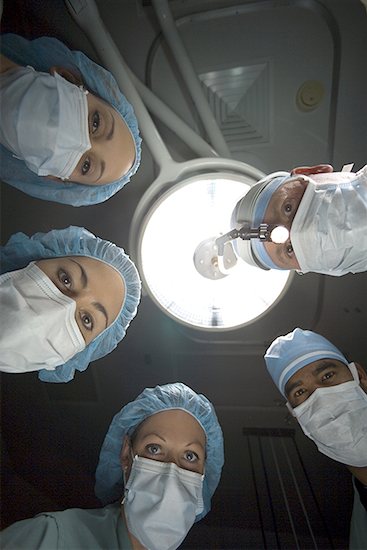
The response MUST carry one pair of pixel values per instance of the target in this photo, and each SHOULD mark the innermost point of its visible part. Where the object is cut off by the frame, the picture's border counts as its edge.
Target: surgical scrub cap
(289, 353)
(77, 241)
(253, 207)
(109, 481)
(41, 54)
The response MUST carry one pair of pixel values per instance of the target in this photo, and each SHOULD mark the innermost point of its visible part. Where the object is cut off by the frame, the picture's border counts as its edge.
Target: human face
(322, 373)
(281, 210)
(112, 153)
(97, 288)
(169, 436)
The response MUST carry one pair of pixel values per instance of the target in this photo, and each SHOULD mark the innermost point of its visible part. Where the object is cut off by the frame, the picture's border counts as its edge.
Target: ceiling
(52, 433)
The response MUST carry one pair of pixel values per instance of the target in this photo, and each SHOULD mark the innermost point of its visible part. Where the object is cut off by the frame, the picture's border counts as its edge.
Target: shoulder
(40, 532)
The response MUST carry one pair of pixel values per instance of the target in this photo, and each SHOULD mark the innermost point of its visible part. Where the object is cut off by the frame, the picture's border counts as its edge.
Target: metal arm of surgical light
(85, 13)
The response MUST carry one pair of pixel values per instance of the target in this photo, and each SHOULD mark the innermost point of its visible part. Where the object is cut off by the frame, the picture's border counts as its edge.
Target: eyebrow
(155, 435)
(84, 280)
(109, 136)
(195, 442)
(103, 166)
(110, 133)
(324, 366)
(102, 309)
(83, 275)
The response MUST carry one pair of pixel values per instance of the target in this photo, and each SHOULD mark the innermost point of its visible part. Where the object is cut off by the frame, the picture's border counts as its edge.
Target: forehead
(86, 261)
(312, 370)
(167, 422)
(292, 189)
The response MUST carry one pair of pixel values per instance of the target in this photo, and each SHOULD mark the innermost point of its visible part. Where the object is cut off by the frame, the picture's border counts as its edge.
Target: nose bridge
(82, 297)
(173, 457)
(313, 385)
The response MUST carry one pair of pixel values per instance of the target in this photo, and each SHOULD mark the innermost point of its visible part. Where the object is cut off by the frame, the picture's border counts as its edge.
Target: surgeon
(325, 213)
(328, 397)
(159, 466)
(67, 133)
(67, 298)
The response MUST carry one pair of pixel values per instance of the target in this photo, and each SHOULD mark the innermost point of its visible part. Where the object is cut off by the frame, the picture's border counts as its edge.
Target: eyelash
(85, 315)
(288, 204)
(289, 249)
(328, 375)
(196, 457)
(299, 392)
(95, 122)
(85, 166)
(62, 274)
(149, 448)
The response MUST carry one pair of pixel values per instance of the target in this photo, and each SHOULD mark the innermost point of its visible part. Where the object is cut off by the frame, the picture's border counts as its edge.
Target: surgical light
(181, 268)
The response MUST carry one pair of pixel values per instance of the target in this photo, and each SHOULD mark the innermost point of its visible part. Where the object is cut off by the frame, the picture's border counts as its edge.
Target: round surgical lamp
(175, 235)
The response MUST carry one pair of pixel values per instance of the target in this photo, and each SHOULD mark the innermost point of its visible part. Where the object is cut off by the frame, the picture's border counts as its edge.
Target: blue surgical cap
(109, 481)
(289, 353)
(253, 208)
(43, 53)
(77, 241)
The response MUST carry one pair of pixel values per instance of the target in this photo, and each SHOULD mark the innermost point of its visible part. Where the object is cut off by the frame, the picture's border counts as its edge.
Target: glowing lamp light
(186, 215)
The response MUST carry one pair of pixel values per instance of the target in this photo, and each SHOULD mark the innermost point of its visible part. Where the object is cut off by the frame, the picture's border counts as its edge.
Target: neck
(6, 64)
(135, 544)
(359, 473)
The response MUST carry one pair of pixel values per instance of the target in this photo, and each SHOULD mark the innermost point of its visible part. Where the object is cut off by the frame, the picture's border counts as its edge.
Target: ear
(69, 75)
(309, 170)
(125, 455)
(362, 376)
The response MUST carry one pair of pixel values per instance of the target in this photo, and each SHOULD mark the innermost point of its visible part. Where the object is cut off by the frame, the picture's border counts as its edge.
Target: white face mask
(44, 121)
(38, 329)
(329, 230)
(335, 418)
(161, 502)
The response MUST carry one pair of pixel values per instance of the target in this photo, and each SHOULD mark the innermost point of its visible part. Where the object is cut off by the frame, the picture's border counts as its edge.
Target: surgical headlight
(214, 257)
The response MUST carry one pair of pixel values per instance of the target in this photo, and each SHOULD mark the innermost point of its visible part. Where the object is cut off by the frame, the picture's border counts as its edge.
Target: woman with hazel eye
(159, 466)
(325, 213)
(67, 298)
(67, 132)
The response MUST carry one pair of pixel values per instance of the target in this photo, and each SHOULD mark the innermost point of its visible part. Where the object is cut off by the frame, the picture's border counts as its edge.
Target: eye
(87, 321)
(190, 456)
(95, 123)
(85, 166)
(65, 279)
(289, 249)
(328, 375)
(288, 208)
(299, 392)
(153, 449)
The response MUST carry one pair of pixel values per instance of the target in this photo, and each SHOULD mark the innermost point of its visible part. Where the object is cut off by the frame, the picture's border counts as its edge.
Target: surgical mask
(335, 418)
(44, 121)
(329, 230)
(38, 329)
(161, 502)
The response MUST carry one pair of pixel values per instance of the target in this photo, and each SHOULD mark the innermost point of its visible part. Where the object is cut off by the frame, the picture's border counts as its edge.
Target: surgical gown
(72, 529)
